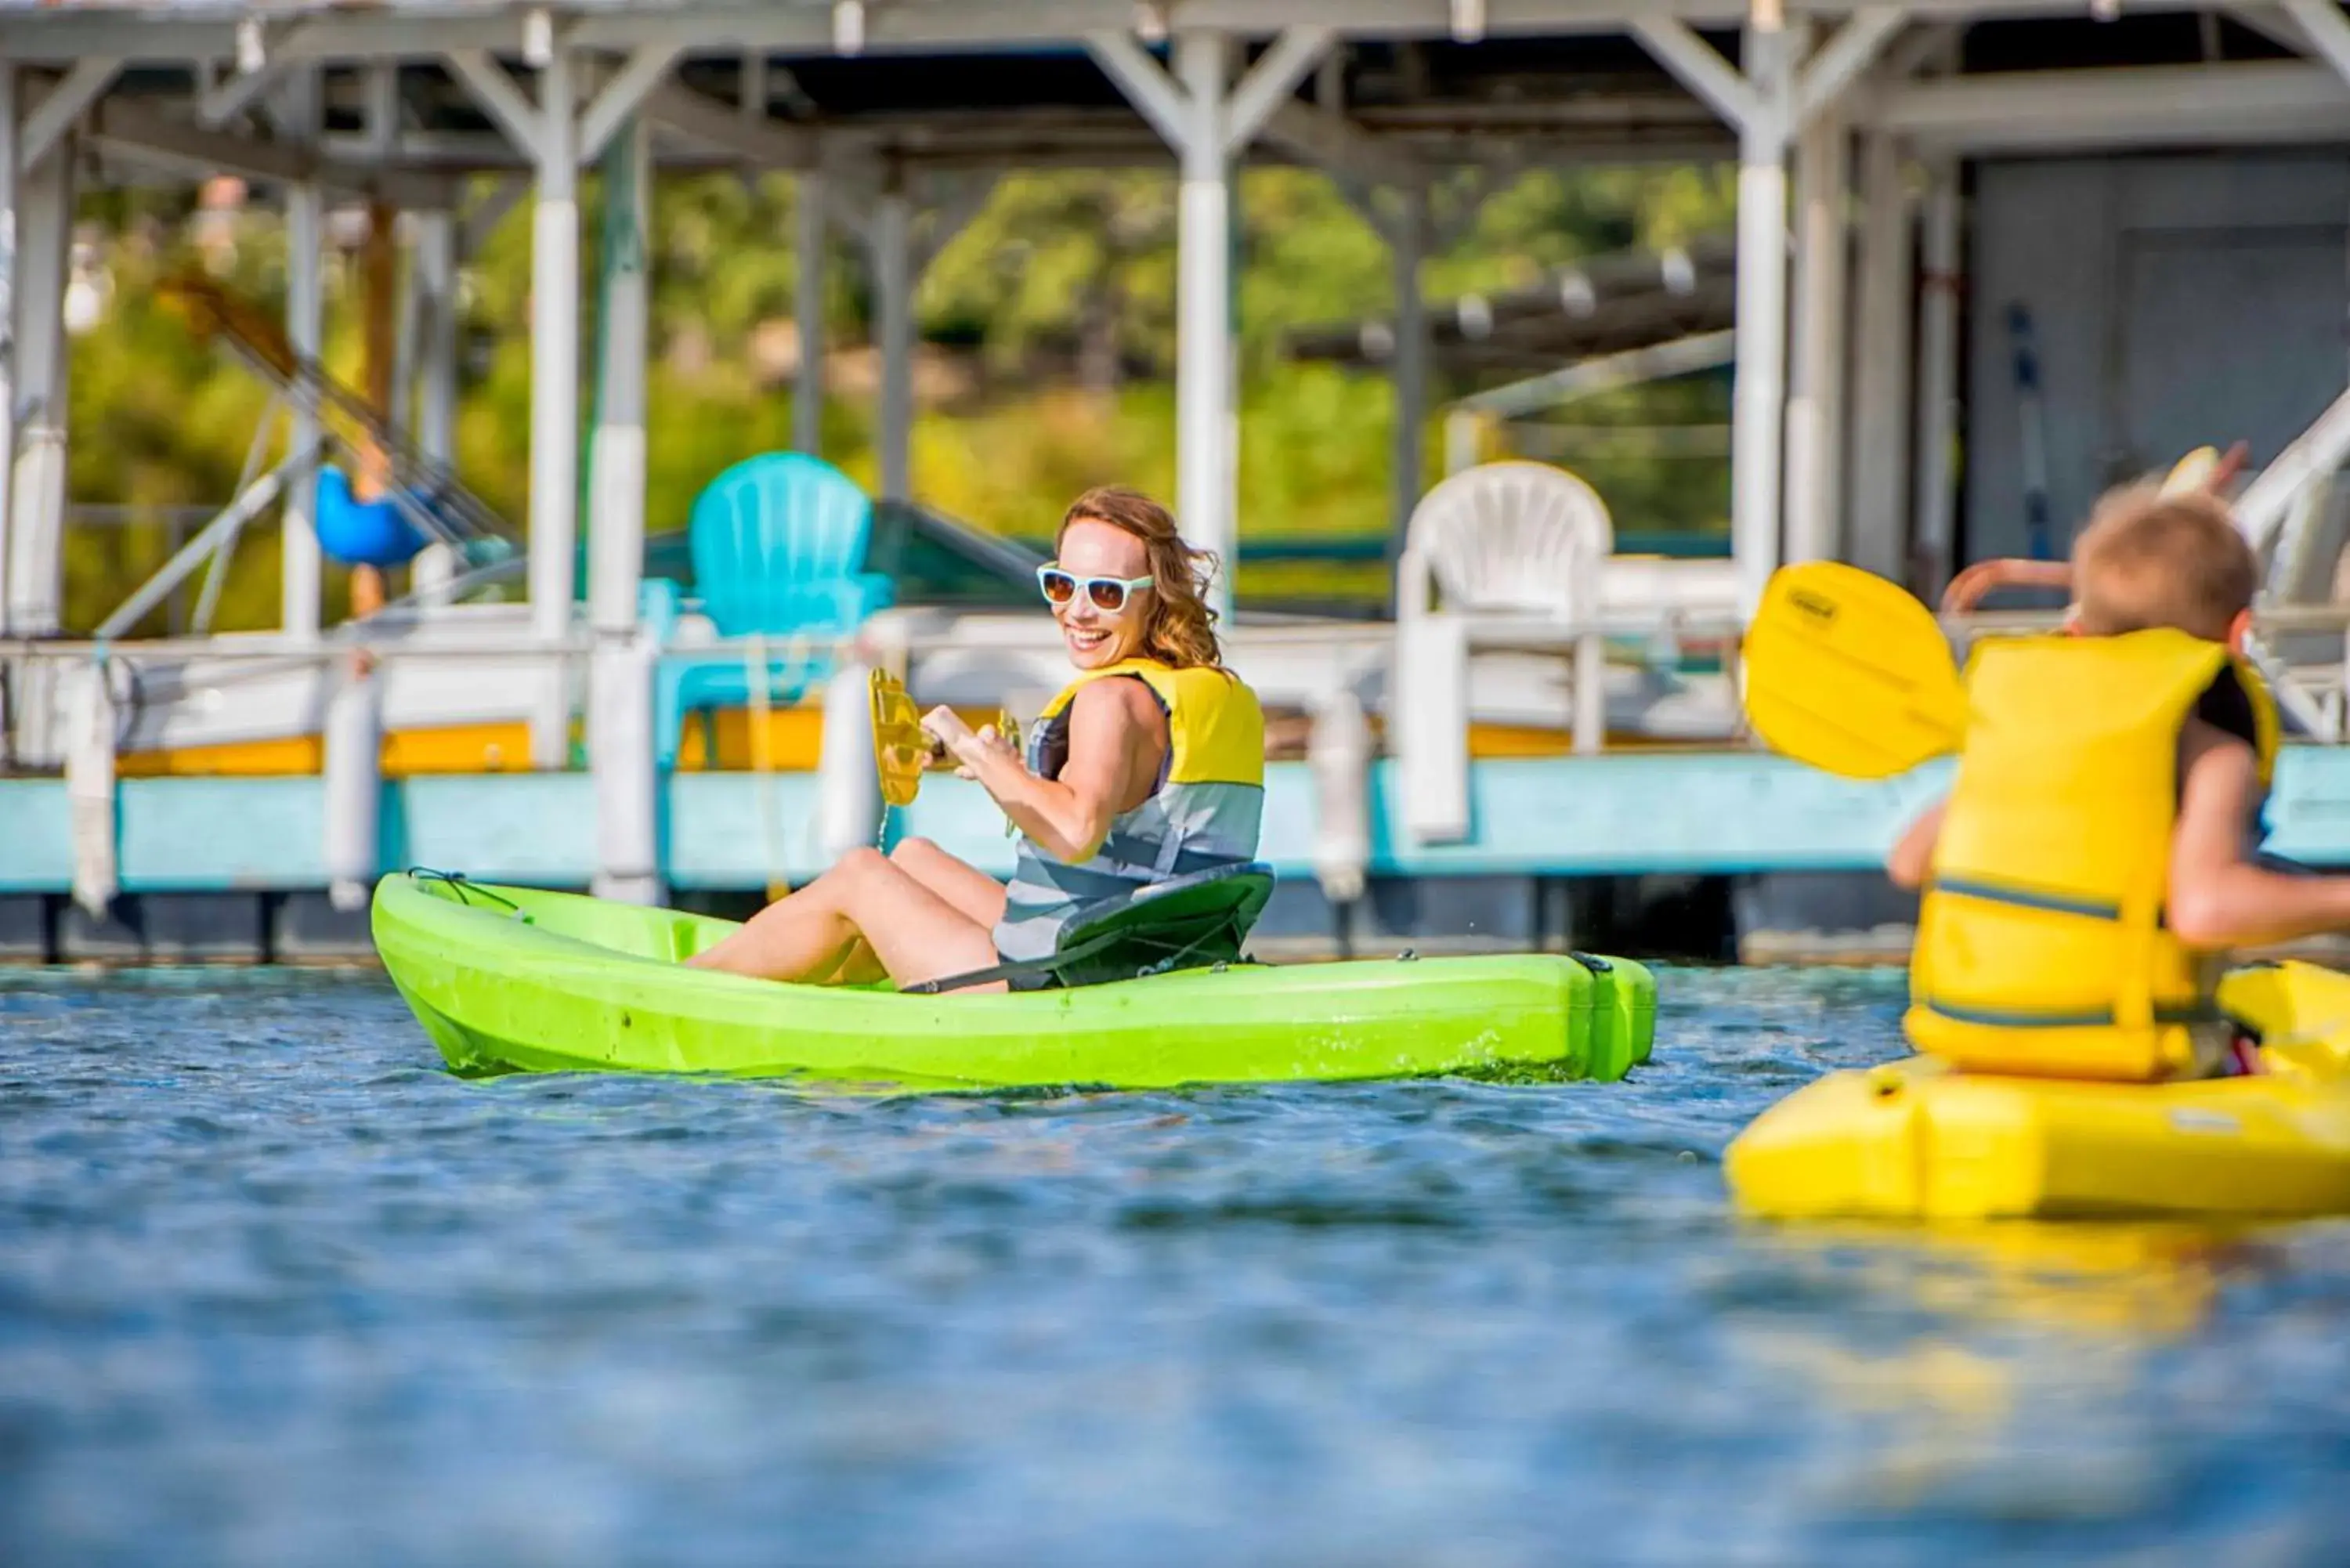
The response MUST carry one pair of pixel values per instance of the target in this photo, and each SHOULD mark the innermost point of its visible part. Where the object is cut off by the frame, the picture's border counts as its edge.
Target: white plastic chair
(1521, 538)
(1514, 549)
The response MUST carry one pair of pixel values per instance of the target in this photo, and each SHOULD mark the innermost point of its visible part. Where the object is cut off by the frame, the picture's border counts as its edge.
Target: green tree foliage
(1050, 320)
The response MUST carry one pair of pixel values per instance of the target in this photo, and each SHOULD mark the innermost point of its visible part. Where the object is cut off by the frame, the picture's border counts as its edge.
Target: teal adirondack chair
(778, 547)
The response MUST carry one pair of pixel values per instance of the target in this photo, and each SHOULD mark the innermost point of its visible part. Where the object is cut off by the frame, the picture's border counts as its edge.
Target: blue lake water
(275, 1289)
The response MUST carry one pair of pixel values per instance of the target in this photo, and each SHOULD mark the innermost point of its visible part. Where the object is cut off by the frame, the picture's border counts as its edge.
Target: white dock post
(7, 322)
(352, 784)
(436, 370)
(554, 393)
(44, 201)
(849, 791)
(1206, 503)
(620, 753)
(36, 477)
(1407, 247)
(1339, 753)
(1758, 396)
(1589, 734)
(1881, 401)
(300, 568)
(1761, 104)
(616, 533)
(807, 311)
(1938, 378)
(1205, 123)
(90, 729)
(1815, 412)
(554, 355)
(1815, 395)
(1428, 721)
(893, 286)
(619, 703)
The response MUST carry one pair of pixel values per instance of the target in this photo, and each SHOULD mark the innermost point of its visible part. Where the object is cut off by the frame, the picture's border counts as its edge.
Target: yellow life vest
(1215, 729)
(1206, 813)
(2042, 947)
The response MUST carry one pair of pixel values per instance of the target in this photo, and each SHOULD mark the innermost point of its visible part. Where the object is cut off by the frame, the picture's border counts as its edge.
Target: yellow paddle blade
(1847, 672)
(901, 749)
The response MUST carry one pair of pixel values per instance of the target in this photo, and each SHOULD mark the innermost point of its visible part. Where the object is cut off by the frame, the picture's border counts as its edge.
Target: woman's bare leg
(960, 884)
(916, 934)
(968, 889)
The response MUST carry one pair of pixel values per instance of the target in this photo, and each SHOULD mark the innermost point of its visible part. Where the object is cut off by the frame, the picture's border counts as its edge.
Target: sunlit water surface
(276, 1289)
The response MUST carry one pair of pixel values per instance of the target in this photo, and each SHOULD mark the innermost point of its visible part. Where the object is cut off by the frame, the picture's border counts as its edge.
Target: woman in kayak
(1149, 765)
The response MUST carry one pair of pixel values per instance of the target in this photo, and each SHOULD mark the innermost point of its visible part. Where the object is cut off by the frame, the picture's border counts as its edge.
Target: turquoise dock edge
(1715, 812)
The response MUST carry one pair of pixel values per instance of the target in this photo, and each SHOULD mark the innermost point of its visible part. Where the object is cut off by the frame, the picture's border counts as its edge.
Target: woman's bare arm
(1117, 735)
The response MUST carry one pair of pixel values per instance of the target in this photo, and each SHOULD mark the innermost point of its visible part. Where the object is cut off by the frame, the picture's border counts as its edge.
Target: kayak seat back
(1186, 922)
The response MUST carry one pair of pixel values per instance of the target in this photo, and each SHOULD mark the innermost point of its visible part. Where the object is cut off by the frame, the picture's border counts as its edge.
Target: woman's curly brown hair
(1183, 629)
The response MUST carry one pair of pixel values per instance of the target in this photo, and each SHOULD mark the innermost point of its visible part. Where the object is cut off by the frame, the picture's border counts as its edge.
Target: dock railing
(78, 706)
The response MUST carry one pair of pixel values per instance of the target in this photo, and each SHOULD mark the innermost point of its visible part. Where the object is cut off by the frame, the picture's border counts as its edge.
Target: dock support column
(1937, 380)
(436, 354)
(352, 785)
(1881, 403)
(893, 286)
(1206, 122)
(1760, 103)
(1758, 407)
(848, 807)
(619, 701)
(1815, 397)
(433, 284)
(1206, 474)
(554, 393)
(44, 202)
(300, 570)
(1338, 754)
(1408, 246)
(92, 821)
(8, 142)
(807, 311)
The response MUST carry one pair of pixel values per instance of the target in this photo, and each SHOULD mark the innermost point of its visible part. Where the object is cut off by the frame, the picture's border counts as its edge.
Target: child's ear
(2240, 631)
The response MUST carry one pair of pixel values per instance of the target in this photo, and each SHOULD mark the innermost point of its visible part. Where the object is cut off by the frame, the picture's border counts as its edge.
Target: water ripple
(275, 1289)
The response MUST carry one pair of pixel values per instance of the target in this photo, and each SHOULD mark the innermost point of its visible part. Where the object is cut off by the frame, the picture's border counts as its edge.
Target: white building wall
(2176, 302)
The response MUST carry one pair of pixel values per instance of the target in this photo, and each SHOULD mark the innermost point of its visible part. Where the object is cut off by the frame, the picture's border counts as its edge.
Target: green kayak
(513, 979)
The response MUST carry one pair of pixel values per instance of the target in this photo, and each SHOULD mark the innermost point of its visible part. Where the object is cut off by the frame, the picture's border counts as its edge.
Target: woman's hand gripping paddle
(1848, 673)
(902, 749)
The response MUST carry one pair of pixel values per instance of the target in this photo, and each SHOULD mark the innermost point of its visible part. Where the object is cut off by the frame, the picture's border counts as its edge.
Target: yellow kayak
(1914, 1140)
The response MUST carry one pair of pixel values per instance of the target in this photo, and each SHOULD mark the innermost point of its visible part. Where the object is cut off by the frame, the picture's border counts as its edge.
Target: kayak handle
(462, 885)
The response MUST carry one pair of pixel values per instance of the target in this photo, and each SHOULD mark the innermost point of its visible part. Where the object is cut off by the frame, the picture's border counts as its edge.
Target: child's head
(2149, 560)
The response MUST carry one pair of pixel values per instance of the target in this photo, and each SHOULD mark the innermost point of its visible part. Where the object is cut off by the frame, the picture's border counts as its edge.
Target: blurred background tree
(1047, 343)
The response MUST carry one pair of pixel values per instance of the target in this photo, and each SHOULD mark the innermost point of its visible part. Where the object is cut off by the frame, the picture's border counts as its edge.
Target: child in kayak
(1149, 765)
(2096, 851)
